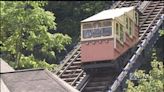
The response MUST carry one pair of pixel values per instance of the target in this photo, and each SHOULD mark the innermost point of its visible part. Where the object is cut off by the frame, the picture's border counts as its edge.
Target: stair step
(70, 71)
(147, 22)
(69, 75)
(97, 88)
(97, 83)
(69, 79)
(76, 63)
(143, 28)
(74, 67)
(78, 59)
(145, 25)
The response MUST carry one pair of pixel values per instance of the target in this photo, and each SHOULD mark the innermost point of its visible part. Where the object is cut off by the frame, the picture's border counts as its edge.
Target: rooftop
(31, 80)
(108, 14)
(35, 80)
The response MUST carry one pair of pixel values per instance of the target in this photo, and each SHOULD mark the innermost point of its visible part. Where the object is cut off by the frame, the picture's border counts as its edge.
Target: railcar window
(107, 31)
(130, 27)
(136, 18)
(99, 24)
(96, 33)
(117, 29)
(97, 29)
(95, 25)
(127, 23)
(87, 25)
(121, 33)
(87, 33)
(107, 23)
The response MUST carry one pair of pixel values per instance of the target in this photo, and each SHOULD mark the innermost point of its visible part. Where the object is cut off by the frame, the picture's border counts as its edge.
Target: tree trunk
(18, 50)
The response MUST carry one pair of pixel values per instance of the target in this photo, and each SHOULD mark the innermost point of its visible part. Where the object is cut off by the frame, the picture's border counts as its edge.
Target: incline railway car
(107, 35)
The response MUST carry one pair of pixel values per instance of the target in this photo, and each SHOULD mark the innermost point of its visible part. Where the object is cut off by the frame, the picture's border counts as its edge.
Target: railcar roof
(108, 14)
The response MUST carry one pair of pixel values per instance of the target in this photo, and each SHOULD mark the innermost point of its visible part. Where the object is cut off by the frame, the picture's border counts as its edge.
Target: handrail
(145, 3)
(83, 83)
(68, 57)
(138, 4)
(77, 77)
(150, 24)
(134, 57)
(69, 65)
(116, 4)
(127, 68)
(149, 14)
(122, 4)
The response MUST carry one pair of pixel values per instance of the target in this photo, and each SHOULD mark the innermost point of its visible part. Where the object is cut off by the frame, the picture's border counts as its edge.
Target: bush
(31, 62)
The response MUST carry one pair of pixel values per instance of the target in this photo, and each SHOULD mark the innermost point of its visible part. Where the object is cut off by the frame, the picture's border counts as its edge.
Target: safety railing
(127, 68)
(68, 57)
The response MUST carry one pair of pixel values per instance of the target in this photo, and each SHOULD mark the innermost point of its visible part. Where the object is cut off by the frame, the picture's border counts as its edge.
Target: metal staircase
(71, 71)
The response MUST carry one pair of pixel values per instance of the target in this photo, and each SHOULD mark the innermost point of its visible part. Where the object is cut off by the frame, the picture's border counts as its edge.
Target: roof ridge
(108, 14)
(24, 70)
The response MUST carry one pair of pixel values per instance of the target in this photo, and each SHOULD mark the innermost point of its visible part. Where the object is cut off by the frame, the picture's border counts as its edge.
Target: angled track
(71, 71)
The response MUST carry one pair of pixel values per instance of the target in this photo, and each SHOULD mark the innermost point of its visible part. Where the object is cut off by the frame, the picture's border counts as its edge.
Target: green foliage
(152, 82)
(24, 24)
(70, 13)
(162, 32)
(31, 62)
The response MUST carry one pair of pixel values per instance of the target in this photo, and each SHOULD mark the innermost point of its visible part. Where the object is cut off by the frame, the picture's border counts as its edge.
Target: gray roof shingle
(38, 80)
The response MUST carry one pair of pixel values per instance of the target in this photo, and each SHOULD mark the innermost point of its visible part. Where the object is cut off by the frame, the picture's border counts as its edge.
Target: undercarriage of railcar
(102, 66)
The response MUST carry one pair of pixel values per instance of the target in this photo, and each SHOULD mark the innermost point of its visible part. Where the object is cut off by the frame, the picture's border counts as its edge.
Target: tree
(24, 25)
(70, 13)
(151, 82)
(28, 62)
